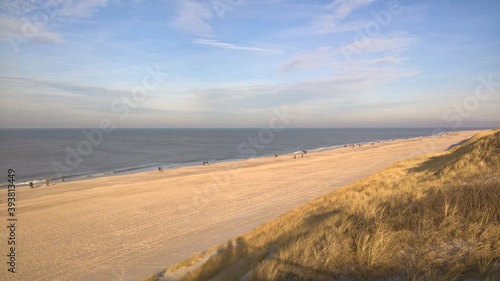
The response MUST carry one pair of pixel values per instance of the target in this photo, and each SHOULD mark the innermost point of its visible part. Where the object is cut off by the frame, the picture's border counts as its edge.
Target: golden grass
(186, 263)
(433, 217)
(151, 278)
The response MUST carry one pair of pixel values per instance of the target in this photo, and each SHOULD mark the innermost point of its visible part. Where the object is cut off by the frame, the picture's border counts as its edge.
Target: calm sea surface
(36, 154)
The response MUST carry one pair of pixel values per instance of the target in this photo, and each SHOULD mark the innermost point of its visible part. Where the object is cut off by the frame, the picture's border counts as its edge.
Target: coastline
(134, 224)
(170, 166)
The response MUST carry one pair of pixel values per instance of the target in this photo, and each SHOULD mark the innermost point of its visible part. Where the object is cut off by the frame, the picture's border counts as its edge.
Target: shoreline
(154, 167)
(136, 224)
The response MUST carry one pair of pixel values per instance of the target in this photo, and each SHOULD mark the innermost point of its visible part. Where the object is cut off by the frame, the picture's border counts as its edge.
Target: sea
(37, 154)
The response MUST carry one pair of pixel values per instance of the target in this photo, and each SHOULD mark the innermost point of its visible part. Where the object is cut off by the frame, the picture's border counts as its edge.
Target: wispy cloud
(59, 87)
(36, 21)
(338, 11)
(193, 17)
(217, 44)
(387, 48)
(55, 95)
(314, 55)
(381, 44)
(18, 7)
(344, 85)
(307, 60)
(391, 59)
(10, 27)
(68, 8)
(82, 8)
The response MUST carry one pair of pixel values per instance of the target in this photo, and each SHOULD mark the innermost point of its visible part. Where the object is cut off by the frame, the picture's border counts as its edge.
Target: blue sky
(234, 63)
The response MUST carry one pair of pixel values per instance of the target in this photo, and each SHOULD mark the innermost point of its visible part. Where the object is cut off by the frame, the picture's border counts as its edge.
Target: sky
(242, 63)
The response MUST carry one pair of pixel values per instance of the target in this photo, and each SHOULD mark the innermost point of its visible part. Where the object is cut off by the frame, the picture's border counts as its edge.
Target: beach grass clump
(434, 217)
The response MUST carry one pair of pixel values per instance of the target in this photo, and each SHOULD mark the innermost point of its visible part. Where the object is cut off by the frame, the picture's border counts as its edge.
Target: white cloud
(15, 29)
(386, 47)
(192, 17)
(59, 88)
(217, 44)
(340, 10)
(67, 8)
(80, 9)
(307, 60)
(257, 96)
(379, 44)
(18, 7)
(27, 20)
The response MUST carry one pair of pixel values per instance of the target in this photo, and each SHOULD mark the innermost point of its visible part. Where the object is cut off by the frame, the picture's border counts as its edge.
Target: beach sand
(127, 227)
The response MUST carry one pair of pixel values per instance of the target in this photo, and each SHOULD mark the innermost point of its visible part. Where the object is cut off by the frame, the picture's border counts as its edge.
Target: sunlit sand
(127, 227)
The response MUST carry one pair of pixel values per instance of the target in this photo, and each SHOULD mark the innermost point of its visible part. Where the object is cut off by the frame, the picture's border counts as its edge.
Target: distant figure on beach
(31, 184)
(62, 178)
(295, 157)
(160, 169)
(276, 155)
(302, 155)
(46, 182)
(205, 163)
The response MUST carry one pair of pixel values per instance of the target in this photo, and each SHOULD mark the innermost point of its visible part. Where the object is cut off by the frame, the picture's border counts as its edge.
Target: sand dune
(129, 226)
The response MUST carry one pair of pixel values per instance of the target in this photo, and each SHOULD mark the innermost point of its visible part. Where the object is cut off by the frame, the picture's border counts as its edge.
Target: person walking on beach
(62, 178)
(31, 184)
(46, 182)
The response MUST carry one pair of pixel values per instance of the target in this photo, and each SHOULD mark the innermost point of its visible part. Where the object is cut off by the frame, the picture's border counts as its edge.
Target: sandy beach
(127, 227)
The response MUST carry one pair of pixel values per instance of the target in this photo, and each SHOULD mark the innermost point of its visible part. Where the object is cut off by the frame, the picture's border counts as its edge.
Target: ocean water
(36, 154)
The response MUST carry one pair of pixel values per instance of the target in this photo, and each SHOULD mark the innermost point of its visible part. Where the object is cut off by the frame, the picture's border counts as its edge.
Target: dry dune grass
(434, 217)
